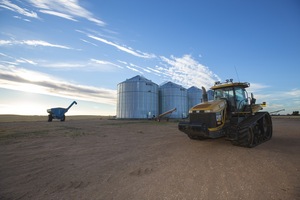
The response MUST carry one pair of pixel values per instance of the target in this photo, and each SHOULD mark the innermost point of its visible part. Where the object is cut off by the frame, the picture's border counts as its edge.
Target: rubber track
(247, 126)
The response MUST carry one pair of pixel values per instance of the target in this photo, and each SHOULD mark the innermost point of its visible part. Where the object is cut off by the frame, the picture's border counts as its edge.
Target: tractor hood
(209, 106)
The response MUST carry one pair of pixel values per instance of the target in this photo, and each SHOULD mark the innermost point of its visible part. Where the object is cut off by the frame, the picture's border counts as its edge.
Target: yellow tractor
(231, 114)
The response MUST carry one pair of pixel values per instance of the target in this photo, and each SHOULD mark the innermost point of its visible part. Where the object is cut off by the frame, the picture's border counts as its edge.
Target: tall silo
(172, 96)
(137, 98)
(194, 96)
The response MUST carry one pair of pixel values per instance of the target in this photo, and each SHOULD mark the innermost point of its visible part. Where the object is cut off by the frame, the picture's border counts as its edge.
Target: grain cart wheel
(63, 118)
(50, 118)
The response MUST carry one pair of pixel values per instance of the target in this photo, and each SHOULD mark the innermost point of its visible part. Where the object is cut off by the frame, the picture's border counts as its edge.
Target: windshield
(236, 96)
(241, 98)
(226, 93)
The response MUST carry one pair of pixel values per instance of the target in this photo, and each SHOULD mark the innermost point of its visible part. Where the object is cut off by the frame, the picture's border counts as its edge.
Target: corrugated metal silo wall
(210, 95)
(172, 96)
(194, 96)
(137, 99)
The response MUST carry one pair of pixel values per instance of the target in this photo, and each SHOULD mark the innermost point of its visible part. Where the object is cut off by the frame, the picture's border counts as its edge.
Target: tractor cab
(235, 95)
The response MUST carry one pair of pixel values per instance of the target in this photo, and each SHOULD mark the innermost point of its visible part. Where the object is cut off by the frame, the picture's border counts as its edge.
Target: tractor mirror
(253, 100)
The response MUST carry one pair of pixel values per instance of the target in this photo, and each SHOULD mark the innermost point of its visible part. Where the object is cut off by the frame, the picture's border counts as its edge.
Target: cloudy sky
(55, 51)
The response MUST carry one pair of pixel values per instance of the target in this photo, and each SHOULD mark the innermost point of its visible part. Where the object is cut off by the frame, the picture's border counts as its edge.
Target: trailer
(58, 113)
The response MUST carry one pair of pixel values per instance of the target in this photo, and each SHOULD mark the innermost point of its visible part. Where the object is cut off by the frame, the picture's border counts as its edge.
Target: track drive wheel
(245, 138)
(262, 131)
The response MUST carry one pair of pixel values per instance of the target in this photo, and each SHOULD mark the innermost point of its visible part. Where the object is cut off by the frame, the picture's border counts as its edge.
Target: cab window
(226, 93)
(235, 95)
(240, 97)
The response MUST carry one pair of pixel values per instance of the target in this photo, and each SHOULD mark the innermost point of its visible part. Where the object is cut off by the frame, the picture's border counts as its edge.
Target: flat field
(93, 157)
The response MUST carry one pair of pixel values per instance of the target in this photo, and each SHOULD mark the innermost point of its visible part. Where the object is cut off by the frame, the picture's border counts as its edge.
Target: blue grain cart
(58, 113)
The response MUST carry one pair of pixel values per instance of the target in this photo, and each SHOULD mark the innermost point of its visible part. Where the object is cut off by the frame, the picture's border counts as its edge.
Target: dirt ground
(100, 158)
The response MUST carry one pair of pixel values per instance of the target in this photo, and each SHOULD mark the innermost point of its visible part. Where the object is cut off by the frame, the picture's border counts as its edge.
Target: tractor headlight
(219, 118)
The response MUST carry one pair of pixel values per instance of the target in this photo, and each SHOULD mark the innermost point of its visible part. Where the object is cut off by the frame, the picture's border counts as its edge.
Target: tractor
(58, 113)
(231, 113)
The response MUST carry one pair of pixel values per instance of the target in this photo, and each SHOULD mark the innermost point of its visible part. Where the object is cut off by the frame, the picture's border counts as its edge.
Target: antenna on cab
(237, 74)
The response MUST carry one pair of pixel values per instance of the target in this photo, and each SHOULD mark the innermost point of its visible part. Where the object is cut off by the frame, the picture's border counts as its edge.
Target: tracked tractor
(231, 114)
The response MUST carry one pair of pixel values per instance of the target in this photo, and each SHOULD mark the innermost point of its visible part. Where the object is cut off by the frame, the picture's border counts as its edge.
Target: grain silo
(173, 96)
(210, 95)
(137, 98)
(194, 96)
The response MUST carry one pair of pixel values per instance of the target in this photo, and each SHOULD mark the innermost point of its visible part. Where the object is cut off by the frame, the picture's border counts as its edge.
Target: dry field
(89, 157)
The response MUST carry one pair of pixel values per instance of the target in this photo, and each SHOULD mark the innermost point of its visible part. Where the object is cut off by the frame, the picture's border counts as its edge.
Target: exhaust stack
(204, 95)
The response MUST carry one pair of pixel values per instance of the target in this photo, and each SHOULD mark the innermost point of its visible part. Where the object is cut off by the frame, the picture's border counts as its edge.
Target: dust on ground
(101, 158)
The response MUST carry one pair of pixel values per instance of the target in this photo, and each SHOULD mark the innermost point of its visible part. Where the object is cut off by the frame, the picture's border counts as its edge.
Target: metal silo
(137, 98)
(194, 96)
(210, 95)
(172, 96)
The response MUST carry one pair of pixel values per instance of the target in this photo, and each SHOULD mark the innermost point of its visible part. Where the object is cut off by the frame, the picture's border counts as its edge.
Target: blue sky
(55, 51)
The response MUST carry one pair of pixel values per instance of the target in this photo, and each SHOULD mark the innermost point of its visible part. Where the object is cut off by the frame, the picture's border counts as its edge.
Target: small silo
(194, 96)
(172, 96)
(137, 98)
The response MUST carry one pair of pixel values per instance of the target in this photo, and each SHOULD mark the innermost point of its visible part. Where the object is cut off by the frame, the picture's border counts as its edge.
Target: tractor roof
(229, 83)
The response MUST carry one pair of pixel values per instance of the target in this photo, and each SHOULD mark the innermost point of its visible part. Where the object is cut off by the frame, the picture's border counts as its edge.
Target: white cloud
(4, 55)
(8, 62)
(187, 71)
(21, 79)
(15, 8)
(256, 87)
(5, 42)
(123, 48)
(63, 65)
(142, 68)
(18, 17)
(293, 93)
(123, 62)
(277, 100)
(58, 14)
(68, 9)
(43, 43)
(14, 61)
(134, 69)
(32, 43)
(23, 60)
(155, 71)
(103, 62)
(88, 42)
(89, 65)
